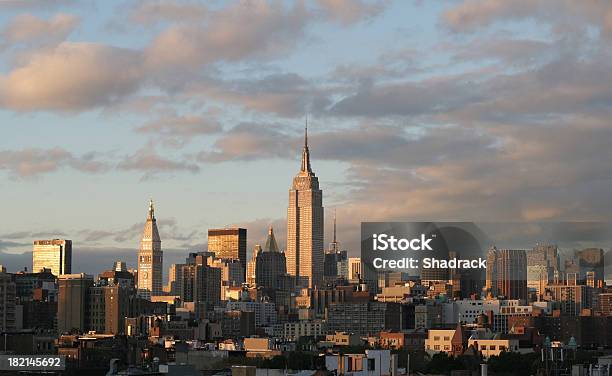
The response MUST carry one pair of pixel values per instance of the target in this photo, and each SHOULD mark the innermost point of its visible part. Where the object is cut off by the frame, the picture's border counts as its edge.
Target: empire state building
(150, 258)
(304, 253)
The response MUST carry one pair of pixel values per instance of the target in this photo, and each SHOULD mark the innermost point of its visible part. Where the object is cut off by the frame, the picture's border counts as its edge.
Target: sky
(417, 110)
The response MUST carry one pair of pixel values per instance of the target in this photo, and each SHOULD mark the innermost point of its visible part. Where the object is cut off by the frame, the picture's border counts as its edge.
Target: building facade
(252, 264)
(507, 273)
(270, 264)
(354, 269)
(150, 258)
(305, 225)
(72, 307)
(364, 318)
(229, 244)
(201, 284)
(54, 254)
(7, 301)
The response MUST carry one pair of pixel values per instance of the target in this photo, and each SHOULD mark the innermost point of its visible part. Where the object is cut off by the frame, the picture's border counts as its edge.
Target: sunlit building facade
(54, 254)
(229, 244)
(150, 258)
(305, 256)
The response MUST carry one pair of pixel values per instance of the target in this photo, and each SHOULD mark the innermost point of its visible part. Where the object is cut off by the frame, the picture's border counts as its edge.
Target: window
(446, 347)
(483, 347)
(436, 338)
(447, 338)
(493, 347)
(371, 365)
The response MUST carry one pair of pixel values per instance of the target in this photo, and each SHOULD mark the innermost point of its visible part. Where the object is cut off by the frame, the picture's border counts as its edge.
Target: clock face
(145, 275)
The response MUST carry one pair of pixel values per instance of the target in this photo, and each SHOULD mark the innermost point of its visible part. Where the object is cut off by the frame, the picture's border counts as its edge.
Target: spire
(306, 133)
(151, 210)
(271, 245)
(305, 152)
(333, 246)
(335, 226)
(150, 229)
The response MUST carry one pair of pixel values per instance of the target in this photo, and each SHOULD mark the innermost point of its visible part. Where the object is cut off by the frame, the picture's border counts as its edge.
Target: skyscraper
(229, 244)
(305, 225)
(335, 264)
(72, 307)
(150, 258)
(201, 283)
(175, 279)
(271, 264)
(507, 273)
(542, 263)
(591, 260)
(55, 254)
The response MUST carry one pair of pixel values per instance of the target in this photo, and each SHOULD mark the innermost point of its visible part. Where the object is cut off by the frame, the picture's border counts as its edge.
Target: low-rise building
(292, 331)
(343, 339)
(372, 363)
(493, 346)
(449, 341)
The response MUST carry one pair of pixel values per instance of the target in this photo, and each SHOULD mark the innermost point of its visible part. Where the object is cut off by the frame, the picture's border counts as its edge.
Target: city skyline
(416, 111)
(306, 187)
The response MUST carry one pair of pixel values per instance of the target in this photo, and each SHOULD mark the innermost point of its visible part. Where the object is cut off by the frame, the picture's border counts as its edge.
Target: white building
(292, 331)
(372, 363)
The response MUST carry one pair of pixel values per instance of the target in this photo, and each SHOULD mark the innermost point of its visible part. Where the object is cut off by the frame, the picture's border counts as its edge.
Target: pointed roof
(271, 245)
(150, 232)
(305, 152)
(335, 226)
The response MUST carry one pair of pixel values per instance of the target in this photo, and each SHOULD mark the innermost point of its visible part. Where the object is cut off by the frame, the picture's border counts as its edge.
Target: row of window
(437, 347)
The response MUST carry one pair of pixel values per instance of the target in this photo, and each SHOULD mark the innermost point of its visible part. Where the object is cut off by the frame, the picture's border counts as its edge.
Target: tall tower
(150, 258)
(305, 224)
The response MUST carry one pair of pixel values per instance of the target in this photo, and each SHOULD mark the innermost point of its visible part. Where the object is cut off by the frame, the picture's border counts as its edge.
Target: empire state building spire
(304, 252)
(305, 152)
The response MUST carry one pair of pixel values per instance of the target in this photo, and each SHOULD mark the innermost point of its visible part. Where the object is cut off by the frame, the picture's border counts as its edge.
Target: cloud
(435, 95)
(520, 177)
(33, 162)
(5, 244)
(508, 51)
(282, 94)
(565, 16)
(179, 129)
(249, 141)
(33, 235)
(32, 4)
(151, 12)
(147, 160)
(72, 77)
(246, 29)
(351, 11)
(80, 76)
(168, 228)
(31, 30)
